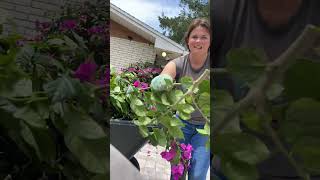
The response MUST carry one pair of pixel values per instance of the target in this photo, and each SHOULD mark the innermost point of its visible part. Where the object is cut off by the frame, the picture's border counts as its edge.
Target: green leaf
(116, 90)
(183, 115)
(239, 149)
(79, 121)
(176, 132)
(80, 40)
(204, 103)
(92, 154)
(56, 41)
(205, 130)
(144, 131)
(72, 45)
(62, 88)
(237, 170)
(275, 91)
(143, 121)
(21, 88)
(251, 119)
(186, 82)
(27, 135)
(139, 110)
(308, 149)
(160, 136)
(302, 119)
(164, 99)
(176, 122)
(204, 87)
(246, 64)
(165, 120)
(136, 102)
(302, 80)
(222, 104)
(31, 117)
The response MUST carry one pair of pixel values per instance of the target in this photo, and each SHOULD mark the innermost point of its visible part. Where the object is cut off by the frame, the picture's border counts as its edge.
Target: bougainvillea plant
(53, 105)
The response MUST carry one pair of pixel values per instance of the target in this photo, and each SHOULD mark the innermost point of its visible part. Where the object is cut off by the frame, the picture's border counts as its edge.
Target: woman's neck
(197, 60)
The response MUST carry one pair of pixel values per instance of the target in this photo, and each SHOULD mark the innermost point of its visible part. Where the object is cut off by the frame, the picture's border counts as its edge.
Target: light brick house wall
(19, 16)
(126, 47)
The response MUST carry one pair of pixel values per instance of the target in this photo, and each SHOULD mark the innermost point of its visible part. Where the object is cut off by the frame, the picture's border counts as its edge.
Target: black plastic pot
(125, 136)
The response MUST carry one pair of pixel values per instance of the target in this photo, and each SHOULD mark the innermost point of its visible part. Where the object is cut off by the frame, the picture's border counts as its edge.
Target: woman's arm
(170, 69)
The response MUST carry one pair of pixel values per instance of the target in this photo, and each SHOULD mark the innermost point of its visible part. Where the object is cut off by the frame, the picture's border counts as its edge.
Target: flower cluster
(179, 169)
(141, 85)
(144, 72)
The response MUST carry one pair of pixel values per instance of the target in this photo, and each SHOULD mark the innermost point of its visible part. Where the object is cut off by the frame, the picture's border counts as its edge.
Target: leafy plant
(154, 110)
(53, 104)
(282, 104)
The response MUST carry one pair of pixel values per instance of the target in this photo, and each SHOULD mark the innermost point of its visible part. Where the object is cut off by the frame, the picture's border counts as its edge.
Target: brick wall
(20, 15)
(124, 52)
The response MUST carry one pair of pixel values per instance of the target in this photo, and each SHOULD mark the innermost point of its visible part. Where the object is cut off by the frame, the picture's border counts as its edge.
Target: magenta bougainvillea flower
(68, 24)
(177, 171)
(186, 151)
(96, 30)
(144, 86)
(86, 72)
(169, 155)
(141, 85)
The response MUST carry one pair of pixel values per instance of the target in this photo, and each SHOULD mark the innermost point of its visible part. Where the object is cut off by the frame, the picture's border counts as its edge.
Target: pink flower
(69, 24)
(131, 69)
(86, 71)
(186, 151)
(169, 155)
(95, 30)
(136, 84)
(177, 171)
(144, 86)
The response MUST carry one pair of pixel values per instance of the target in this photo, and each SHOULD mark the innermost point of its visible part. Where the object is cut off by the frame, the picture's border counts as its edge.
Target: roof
(160, 41)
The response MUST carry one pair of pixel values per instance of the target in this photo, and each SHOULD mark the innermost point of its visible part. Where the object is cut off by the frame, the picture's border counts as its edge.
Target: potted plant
(151, 112)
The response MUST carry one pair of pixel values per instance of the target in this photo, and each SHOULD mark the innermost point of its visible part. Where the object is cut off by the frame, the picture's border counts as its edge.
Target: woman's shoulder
(180, 60)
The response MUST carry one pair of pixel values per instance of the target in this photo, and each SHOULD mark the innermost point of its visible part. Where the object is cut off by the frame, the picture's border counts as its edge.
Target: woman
(194, 64)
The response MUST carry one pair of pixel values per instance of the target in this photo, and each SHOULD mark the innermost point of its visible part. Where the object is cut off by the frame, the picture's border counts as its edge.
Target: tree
(175, 27)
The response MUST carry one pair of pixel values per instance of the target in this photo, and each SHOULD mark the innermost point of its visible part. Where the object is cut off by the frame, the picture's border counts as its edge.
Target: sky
(148, 11)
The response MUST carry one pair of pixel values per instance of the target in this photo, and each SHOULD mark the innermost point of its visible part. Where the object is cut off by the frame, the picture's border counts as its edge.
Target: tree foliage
(282, 104)
(175, 27)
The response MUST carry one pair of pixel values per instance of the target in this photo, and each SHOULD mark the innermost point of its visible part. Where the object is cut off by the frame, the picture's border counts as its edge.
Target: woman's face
(199, 40)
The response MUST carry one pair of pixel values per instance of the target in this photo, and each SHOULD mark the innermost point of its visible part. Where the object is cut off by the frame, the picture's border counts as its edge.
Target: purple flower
(86, 72)
(95, 30)
(144, 86)
(177, 171)
(69, 24)
(186, 151)
(168, 155)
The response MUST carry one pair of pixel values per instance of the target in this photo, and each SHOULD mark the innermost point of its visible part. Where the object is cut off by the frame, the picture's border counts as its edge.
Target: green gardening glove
(160, 83)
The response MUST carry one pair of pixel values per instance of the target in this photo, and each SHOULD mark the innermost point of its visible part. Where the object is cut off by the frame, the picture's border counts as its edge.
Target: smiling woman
(194, 64)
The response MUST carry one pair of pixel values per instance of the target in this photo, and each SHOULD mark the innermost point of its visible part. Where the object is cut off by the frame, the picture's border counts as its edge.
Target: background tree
(175, 27)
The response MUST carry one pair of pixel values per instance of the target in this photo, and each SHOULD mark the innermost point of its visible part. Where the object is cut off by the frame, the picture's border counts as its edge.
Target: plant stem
(196, 83)
(196, 105)
(283, 150)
